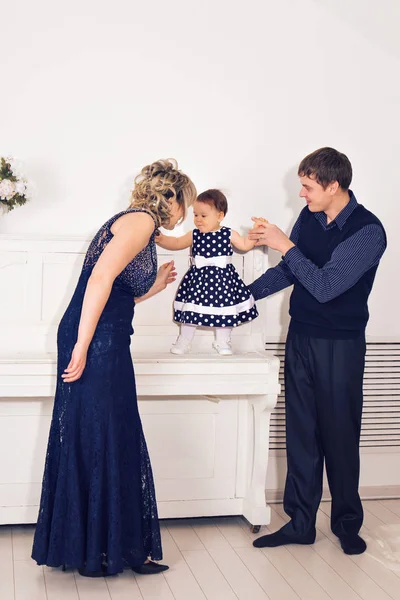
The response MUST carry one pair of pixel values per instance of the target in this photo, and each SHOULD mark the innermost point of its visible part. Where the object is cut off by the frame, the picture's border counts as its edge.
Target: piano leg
(255, 509)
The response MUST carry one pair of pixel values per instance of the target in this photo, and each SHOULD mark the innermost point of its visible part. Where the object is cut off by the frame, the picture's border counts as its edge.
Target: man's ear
(333, 187)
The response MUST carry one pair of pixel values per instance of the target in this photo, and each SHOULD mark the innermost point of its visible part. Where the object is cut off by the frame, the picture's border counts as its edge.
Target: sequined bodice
(139, 275)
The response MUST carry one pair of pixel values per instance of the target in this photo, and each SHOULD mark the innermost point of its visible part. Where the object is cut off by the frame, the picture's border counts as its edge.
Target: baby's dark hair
(215, 198)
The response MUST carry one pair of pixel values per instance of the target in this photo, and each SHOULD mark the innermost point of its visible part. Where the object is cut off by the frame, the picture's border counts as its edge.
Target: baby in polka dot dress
(211, 293)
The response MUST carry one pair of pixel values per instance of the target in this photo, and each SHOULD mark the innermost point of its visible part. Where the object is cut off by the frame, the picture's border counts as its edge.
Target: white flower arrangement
(14, 189)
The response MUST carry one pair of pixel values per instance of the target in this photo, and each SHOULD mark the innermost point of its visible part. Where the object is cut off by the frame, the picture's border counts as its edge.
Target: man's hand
(266, 234)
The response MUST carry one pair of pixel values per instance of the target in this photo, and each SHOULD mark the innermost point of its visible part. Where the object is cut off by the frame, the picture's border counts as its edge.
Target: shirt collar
(342, 217)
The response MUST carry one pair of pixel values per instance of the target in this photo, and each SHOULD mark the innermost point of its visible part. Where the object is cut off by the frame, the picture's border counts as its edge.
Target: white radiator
(380, 434)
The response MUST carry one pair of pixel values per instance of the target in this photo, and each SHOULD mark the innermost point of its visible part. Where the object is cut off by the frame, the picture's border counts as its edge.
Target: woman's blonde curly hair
(157, 185)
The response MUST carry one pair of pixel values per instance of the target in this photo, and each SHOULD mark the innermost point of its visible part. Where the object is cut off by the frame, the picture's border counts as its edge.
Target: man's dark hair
(325, 166)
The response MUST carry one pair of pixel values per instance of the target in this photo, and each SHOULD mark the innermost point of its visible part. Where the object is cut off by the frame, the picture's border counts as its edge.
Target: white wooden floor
(214, 559)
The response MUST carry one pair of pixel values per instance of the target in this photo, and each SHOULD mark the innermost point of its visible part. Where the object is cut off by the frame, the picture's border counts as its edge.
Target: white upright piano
(206, 417)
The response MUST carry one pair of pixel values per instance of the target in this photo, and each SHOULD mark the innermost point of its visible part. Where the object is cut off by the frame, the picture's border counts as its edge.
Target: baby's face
(206, 217)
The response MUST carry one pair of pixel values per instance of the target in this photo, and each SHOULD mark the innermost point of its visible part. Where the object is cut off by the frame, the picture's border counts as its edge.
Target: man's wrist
(286, 247)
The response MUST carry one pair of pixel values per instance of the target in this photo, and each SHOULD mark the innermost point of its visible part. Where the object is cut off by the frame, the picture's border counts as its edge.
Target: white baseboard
(377, 492)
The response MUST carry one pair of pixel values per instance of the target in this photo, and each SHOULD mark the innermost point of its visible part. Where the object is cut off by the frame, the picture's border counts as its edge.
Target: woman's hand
(76, 364)
(166, 274)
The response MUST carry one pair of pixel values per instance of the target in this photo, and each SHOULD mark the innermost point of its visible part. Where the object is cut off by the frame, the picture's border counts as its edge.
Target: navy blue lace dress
(98, 507)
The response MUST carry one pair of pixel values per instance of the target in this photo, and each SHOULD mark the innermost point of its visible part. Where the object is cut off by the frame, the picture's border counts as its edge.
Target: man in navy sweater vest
(331, 260)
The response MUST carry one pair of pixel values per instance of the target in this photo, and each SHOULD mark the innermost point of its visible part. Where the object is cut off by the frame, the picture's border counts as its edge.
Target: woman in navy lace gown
(98, 508)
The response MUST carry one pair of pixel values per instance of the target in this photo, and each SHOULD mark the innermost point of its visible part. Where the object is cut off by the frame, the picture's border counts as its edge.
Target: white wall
(237, 92)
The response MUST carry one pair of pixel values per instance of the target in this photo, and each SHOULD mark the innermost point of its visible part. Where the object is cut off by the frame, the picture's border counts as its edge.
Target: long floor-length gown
(98, 507)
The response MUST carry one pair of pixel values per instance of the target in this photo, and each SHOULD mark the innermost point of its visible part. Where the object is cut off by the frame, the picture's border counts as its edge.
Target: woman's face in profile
(176, 213)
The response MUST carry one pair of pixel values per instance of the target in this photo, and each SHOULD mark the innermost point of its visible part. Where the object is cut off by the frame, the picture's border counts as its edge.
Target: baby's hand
(256, 233)
(159, 237)
(259, 220)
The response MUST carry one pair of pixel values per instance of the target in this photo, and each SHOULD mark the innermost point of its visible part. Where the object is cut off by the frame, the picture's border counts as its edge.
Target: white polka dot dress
(211, 293)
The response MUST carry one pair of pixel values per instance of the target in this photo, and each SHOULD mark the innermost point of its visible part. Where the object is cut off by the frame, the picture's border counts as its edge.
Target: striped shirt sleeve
(276, 278)
(349, 261)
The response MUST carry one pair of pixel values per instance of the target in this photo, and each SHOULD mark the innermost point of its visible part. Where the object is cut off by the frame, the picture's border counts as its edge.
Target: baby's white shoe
(223, 348)
(181, 346)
